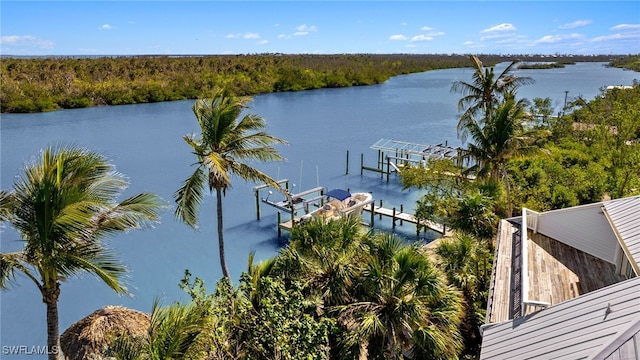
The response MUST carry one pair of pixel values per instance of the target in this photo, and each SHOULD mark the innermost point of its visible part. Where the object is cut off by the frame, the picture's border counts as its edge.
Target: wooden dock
(402, 216)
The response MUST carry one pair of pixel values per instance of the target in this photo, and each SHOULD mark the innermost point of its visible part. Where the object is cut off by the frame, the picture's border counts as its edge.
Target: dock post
(393, 218)
(418, 228)
(380, 208)
(279, 228)
(361, 164)
(388, 168)
(257, 204)
(373, 212)
(347, 173)
(401, 211)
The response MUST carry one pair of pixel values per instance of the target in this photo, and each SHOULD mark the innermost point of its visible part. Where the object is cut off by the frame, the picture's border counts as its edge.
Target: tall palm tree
(486, 90)
(222, 149)
(63, 206)
(496, 140)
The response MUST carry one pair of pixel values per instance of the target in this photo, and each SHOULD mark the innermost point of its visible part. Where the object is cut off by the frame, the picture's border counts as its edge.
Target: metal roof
(624, 215)
(603, 324)
(407, 148)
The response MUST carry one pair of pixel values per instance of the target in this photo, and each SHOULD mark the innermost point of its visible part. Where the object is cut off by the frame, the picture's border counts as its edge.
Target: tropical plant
(466, 261)
(223, 148)
(404, 306)
(498, 139)
(63, 206)
(485, 91)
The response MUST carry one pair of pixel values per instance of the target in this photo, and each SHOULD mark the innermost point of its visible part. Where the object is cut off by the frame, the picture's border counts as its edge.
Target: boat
(339, 203)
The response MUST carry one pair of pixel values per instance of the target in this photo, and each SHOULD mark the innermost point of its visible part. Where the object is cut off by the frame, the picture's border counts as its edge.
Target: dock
(294, 206)
(401, 217)
(394, 154)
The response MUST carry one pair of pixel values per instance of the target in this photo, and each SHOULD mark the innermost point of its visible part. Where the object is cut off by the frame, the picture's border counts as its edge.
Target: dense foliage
(46, 84)
(631, 62)
(345, 294)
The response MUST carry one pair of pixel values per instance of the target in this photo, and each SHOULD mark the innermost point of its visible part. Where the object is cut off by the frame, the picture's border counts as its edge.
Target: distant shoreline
(49, 83)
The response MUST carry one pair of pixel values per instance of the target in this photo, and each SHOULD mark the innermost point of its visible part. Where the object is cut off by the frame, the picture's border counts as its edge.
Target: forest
(52, 83)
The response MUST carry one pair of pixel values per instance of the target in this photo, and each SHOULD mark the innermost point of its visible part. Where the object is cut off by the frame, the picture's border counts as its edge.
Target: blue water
(145, 143)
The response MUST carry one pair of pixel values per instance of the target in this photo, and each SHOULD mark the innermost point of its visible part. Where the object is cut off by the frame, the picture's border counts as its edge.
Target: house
(565, 284)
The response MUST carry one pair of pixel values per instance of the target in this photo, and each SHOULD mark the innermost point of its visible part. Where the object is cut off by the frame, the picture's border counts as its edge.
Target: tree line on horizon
(42, 84)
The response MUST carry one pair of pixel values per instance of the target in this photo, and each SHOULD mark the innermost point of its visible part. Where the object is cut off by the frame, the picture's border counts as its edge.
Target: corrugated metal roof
(593, 326)
(625, 216)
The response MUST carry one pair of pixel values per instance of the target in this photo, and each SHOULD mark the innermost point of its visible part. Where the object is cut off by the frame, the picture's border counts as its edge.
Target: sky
(318, 27)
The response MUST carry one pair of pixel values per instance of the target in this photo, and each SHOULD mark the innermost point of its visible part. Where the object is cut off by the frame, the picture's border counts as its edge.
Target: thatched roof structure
(89, 337)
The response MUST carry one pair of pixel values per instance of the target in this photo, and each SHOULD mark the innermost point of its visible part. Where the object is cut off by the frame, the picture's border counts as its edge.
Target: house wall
(584, 227)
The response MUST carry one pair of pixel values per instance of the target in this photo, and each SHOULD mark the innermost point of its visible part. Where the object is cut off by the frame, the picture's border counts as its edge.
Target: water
(145, 142)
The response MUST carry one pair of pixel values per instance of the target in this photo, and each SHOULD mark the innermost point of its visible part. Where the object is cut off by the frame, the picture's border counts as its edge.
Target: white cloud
(26, 40)
(300, 33)
(616, 37)
(263, 42)
(243, 36)
(107, 27)
(306, 28)
(626, 27)
(426, 28)
(499, 28)
(552, 39)
(284, 36)
(404, 23)
(418, 38)
(397, 37)
(575, 24)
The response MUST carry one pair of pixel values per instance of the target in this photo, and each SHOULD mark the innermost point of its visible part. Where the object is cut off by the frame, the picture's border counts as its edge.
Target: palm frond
(190, 196)
(95, 259)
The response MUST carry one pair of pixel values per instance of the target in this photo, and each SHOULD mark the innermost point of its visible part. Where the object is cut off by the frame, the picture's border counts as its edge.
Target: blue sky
(318, 27)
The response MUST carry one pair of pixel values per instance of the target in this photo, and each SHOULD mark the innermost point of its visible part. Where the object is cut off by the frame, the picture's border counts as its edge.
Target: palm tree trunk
(50, 298)
(223, 261)
(508, 190)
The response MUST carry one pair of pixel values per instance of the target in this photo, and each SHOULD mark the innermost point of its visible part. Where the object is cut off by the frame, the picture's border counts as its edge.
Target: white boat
(339, 203)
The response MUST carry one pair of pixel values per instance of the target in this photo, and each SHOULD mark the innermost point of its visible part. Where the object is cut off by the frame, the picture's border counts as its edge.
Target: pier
(401, 217)
(294, 206)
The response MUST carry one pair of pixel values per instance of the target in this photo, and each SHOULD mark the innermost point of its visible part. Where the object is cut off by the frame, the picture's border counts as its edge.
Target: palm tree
(405, 307)
(486, 90)
(62, 207)
(222, 149)
(496, 140)
(467, 261)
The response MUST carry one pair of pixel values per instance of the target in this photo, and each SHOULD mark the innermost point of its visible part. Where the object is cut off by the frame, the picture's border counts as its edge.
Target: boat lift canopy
(412, 149)
(339, 194)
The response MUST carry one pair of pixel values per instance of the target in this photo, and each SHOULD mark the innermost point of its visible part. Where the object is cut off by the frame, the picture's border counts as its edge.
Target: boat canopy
(339, 194)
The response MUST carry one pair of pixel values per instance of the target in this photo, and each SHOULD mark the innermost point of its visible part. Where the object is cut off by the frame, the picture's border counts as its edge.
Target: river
(145, 143)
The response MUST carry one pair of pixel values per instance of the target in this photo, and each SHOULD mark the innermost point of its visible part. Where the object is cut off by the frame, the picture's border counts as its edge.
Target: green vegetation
(343, 295)
(63, 206)
(46, 84)
(631, 62)
(223, 148)
(541, 66)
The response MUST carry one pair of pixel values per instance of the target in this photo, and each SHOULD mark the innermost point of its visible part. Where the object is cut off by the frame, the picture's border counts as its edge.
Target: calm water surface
(145, 143)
